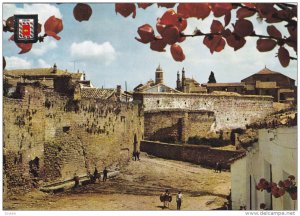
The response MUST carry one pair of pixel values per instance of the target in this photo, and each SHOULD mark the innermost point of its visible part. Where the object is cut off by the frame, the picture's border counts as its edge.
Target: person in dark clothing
(105, 174)
(179, 200)
(96, 175)
(138, 155)
(76, 180)
(219, 167)
(134, 155)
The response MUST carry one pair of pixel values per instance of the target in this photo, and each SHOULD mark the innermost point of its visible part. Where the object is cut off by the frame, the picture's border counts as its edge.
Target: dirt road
(137, 188)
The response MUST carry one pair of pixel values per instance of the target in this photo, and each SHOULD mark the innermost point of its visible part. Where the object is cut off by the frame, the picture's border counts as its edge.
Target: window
(66, 129)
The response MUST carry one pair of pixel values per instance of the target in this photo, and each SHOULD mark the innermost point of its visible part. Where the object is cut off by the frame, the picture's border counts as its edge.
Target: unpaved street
(137, 188)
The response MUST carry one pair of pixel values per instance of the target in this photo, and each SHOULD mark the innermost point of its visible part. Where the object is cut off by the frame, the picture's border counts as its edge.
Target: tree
(211, 78)
(172, 24)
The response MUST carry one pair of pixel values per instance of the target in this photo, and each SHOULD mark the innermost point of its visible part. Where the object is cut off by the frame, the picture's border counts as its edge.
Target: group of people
(136, 155)
(166, 198)
(96, 175)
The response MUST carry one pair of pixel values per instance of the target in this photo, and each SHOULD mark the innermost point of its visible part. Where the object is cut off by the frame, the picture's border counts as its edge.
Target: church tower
(183, 83)
(178, 82)
(159, 75)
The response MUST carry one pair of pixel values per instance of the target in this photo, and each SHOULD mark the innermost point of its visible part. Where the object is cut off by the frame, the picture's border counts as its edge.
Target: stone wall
(230, 111)
(177, 125)
(197, 154)
(66, 136)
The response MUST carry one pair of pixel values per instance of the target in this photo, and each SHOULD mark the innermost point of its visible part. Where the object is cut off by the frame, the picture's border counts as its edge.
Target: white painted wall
(275, 147)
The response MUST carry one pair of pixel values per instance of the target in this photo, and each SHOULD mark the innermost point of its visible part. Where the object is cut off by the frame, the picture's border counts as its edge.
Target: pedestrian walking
(105, 174)
(134, 155)
(138, 155)
(179, 200)
(166, 198)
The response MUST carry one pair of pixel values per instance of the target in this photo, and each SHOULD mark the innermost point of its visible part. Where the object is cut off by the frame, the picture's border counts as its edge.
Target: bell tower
(183, 83)
(159, 75)
(178, 82)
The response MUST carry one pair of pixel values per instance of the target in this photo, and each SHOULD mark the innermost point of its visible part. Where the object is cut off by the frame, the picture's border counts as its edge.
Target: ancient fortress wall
(177, 125)
(230, 111)
(66, 137)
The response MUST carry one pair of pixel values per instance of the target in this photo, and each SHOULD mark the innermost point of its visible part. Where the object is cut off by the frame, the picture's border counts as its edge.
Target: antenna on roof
(126, 90)
(74, 62)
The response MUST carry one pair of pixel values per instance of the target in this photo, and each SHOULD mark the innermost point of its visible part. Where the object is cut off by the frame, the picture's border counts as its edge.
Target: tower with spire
(183, 83)
(159, 75)
(178, 82)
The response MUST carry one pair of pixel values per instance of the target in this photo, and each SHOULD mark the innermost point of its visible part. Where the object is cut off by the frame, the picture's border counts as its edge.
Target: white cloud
(88, 50)
(14, 62)
(44, 11)
(41, 48)
(43, 64)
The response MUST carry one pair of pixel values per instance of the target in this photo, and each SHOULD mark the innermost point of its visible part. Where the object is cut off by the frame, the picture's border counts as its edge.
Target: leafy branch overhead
(170, 27)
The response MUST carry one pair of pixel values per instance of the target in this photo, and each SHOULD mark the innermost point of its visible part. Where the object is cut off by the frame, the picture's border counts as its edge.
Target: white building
(273, 157)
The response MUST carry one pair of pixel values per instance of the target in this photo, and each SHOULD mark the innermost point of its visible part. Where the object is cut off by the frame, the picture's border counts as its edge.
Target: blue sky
(104, 47)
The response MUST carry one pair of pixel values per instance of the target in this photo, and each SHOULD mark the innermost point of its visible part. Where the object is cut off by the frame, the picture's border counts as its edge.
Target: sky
(105, 49)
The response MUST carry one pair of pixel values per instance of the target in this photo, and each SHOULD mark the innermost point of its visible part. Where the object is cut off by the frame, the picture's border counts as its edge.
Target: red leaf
(265, 45)
(177, 53)
(284, 59)
(53, 26)
(216, 27)
(290, 42)
(293, 32)
(249, 5)
(226, 33)
(227, 18)
(160, 27)
(158, 45)
(146, 33)
(144, 5)
(52, 34)
(291, 177)
(243, 28)
(125, 9)
(181, 24)
(220, 9)
(244, 12)
(39, 28)
(215, 44)
(10, 22)
(25, 47)
(4, 63)
(82, 12)
(170, 35)
(265, 9)
(181, 39)
(235, 41)
(169, 18)
(197, 10)
(274, 32)
(166, 5)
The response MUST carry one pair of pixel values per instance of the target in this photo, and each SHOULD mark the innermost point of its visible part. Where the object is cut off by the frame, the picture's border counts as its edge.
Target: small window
(66, 129)
(157, 101)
